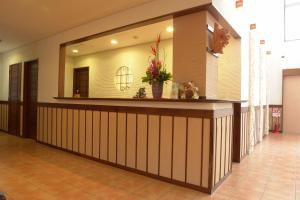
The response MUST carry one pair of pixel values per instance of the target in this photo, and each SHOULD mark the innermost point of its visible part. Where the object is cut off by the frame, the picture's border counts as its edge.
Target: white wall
(103, 66)
(47, 50)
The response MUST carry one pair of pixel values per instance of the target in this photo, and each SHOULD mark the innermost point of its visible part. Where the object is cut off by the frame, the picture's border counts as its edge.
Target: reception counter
(187, 142)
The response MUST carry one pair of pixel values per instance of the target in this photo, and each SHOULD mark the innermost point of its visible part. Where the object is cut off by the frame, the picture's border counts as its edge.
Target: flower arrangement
(156, 74)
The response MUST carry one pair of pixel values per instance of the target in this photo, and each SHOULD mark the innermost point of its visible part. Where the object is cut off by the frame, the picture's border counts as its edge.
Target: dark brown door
(30, 99)
(81, 81)
(14, 98)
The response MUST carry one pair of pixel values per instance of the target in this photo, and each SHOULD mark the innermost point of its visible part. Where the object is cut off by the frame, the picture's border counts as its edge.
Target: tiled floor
(33, 171)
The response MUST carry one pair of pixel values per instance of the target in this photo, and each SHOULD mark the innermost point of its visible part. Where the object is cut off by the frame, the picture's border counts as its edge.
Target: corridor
(29, 170)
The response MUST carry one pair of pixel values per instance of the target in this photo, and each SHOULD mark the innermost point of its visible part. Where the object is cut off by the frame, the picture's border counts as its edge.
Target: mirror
(112, 66)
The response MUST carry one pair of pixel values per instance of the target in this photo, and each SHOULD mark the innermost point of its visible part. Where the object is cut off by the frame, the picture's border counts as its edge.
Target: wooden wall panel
(166, 146)
(59, 127)
(142, 142)
(112, 144)
(21, 120)
(89, 133)
(38, 124)
(104, 136)
(49, 125)
(45, 125)
(131, 141)
(54, 126)
(4, 116)
(64, 128)
(179, 148)
(218, 149)
(223, 147)
(227, 142)
(82, 133)
(76, 131)
(205, 152)
(70, 128)
(122, 130)
(153, 143)
(96, 134)
(194, 149)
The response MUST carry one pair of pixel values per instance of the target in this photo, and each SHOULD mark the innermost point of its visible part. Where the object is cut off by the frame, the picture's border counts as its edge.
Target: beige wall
(291, 104)
(190, 49)
(103, 67)
(229, 71)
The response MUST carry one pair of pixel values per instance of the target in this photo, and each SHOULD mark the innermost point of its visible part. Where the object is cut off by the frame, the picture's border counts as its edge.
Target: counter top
(153, 100)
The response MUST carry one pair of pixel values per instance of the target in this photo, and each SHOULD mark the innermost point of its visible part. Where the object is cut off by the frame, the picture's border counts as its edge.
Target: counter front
(184, 143)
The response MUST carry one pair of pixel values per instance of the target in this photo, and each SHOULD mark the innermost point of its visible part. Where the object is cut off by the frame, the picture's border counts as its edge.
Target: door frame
(285, 73)
(26, 86)
(18, 102)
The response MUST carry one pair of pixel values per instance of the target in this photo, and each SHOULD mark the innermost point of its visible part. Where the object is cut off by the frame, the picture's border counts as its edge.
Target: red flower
(154, 52)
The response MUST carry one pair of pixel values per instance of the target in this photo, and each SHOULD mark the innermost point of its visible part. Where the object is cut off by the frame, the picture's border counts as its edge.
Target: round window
(123, 78)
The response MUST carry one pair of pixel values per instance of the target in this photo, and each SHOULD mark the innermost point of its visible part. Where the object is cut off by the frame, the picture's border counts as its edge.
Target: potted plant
(156, 74)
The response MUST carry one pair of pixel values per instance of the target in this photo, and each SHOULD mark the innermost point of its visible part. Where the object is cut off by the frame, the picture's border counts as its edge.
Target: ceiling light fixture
(170, 29)
(114, 42)
(75, 51)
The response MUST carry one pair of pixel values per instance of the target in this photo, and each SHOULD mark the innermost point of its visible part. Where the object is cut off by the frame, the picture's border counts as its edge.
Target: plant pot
(157, 90)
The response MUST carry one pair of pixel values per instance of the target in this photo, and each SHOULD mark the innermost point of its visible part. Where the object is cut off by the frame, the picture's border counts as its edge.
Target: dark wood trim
(61, 70)
(237, 133)
(143, 110)
(291, 72)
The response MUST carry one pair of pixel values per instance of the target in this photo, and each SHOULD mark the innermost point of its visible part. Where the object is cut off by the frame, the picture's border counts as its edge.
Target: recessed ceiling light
(114, 42)
(75, 51)
(170, 29)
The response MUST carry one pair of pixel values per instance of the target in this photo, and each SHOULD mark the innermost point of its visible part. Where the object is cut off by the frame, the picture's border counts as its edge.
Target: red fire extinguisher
(276, 114)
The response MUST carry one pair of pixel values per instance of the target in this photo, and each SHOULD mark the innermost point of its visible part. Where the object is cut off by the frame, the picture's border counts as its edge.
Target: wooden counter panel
(176, 148)
(4, 116)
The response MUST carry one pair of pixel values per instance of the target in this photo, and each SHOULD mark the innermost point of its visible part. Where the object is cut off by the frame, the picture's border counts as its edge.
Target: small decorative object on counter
(77, 94)
(156, 74)
(140, 94)
(220, 39)
(188, 90)
(2, 196)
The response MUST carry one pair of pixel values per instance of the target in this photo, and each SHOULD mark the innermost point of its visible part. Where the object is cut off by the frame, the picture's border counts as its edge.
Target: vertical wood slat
(153, 144)
(179, 156)
(49, 125)
(121, 143)
(54, 127)
(82, 132)
(112, 145)
(131, 141)
(89, 133)
(96, 134)
(166, 146)
(70, 129)
(141, 142)
(194, 148)
(104, 136)
(76, 131)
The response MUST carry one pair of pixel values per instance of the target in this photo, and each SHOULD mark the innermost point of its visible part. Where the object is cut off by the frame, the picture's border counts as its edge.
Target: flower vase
(157, 90)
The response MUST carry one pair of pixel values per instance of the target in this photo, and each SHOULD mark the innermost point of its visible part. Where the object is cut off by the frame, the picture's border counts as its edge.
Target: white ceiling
(25, 21)
(140, 35)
